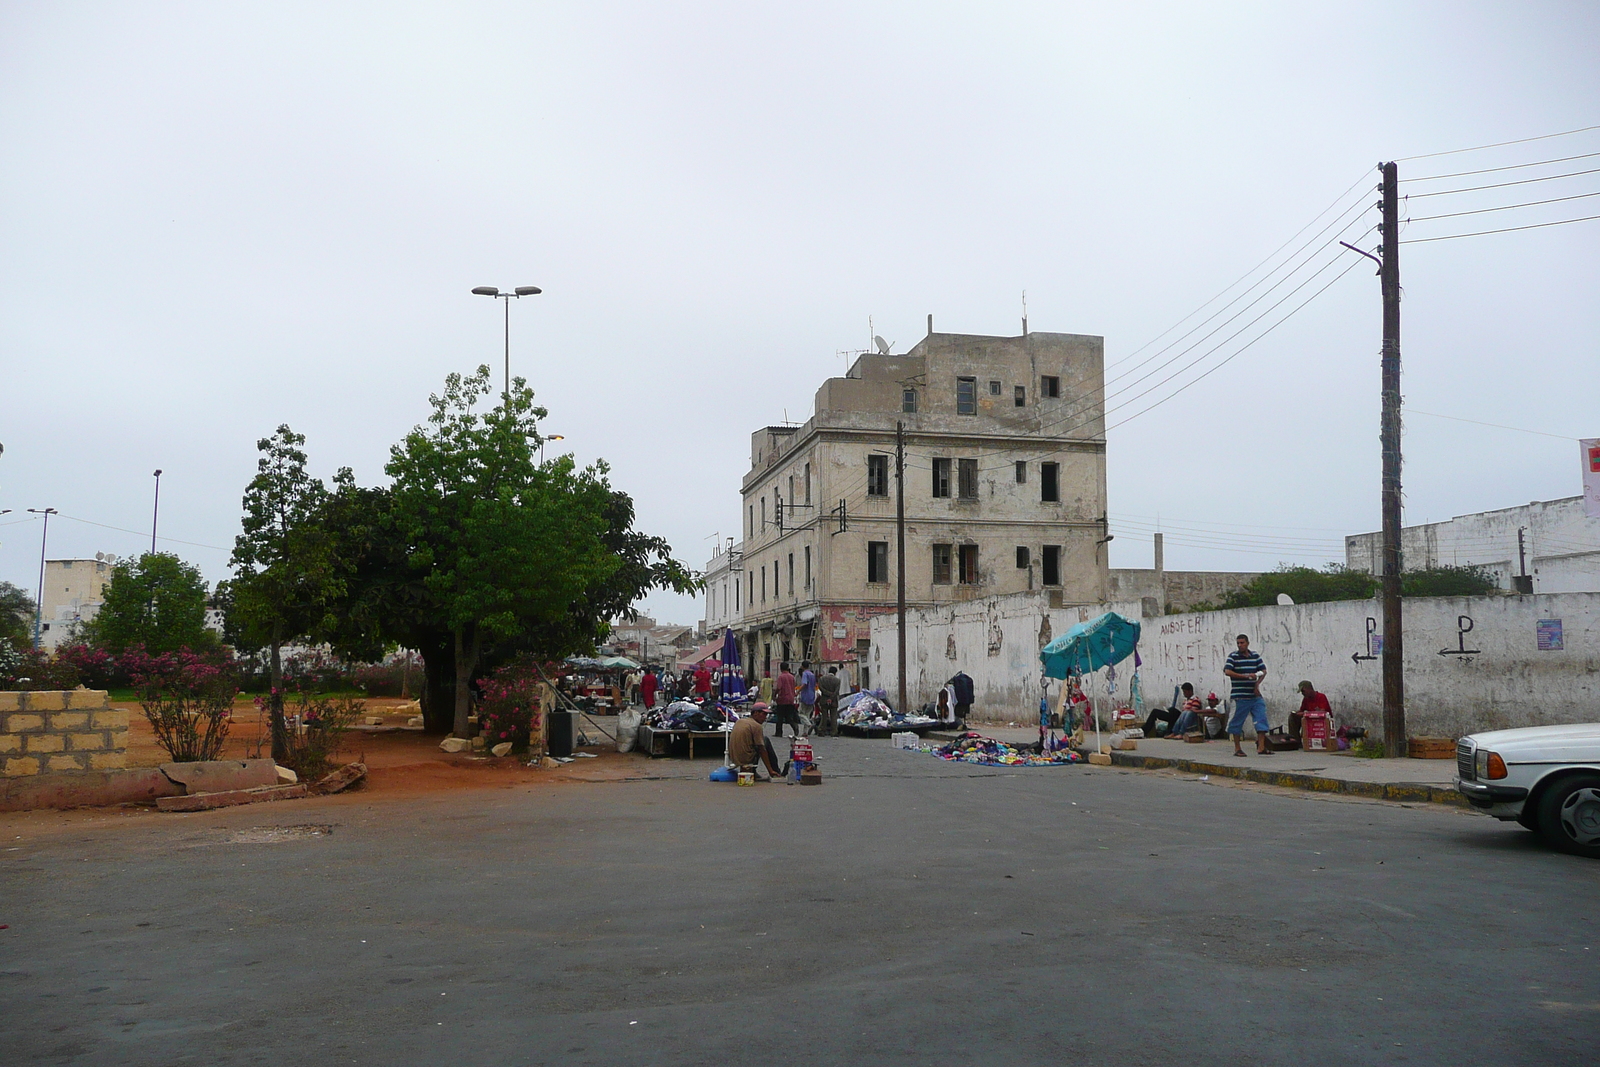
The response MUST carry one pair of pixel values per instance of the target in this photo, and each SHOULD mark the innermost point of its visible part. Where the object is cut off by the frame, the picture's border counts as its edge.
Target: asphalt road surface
(905, 912)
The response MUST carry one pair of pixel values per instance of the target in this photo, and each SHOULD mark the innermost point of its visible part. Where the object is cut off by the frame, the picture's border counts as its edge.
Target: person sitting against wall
(1176, 716)
(1310, 700)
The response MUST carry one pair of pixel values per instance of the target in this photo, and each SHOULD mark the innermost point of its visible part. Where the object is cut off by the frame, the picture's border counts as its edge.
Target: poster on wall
(1590, 447)
(1548, 633)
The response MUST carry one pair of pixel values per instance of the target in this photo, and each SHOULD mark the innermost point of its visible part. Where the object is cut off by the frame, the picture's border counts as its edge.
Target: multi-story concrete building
(74, 589)
(724, 578)
(1005, 490)
(1551, 545)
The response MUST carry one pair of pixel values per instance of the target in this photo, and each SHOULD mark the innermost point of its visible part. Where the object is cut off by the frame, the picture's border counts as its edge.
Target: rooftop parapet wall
(75, 731)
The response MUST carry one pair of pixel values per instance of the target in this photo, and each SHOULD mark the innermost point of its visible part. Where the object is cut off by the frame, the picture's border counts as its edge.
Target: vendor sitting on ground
(748, 744)
(1176, 716)
(1310, 700)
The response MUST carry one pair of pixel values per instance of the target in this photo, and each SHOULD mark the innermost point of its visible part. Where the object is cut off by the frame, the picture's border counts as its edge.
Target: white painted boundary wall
(996, 640)
(1506, 681)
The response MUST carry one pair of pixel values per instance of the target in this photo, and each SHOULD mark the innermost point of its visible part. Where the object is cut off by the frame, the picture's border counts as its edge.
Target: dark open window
(1022, 471)
(877, 475)
(1019, 396)
(967, 484)
(994, 388)
(941, 564)
(966, 396)
(941, 477)
(877, 561)
(1052, 565)
(967, 556)
(1023, 557)
(908, 401)
(1049, 483)
(1049, 386)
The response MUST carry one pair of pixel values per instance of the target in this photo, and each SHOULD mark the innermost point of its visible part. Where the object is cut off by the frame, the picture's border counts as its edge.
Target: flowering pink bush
(187, 696)
(508, 707)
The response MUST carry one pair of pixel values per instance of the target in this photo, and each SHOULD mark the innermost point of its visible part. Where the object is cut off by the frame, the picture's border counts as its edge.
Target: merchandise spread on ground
(975, 748)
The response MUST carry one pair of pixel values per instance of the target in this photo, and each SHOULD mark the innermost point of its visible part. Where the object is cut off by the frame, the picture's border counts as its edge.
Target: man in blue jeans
(1246, 670)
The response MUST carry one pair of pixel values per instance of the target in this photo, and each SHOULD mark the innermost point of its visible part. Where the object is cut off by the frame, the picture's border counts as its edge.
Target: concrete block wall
(61, 732)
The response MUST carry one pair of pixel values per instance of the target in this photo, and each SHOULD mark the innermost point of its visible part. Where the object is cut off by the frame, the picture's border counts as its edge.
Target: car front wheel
(1569, 815)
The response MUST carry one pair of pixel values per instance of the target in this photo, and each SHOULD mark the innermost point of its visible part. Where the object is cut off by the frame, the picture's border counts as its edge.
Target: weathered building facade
(724, 578)
(1004, 483)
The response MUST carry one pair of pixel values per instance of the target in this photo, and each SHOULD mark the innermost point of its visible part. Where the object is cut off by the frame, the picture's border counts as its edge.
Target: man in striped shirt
(1246, 670)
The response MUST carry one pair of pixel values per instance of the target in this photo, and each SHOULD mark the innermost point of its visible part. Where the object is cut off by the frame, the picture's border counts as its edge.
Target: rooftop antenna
(1024, 312)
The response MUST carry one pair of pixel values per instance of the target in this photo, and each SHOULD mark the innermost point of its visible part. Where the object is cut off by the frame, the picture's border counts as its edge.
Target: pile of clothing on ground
(975, 748)
(687, 715)
(870, 710)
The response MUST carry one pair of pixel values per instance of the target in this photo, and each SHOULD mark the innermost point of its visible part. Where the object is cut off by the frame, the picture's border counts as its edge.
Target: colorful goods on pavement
(986, 751)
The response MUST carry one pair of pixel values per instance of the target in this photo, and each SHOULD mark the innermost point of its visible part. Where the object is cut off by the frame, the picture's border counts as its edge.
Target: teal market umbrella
(1088, 646)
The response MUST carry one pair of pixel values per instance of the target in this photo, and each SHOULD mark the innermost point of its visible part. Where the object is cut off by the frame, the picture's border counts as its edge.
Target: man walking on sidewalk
(1246, 670)
(786, 701)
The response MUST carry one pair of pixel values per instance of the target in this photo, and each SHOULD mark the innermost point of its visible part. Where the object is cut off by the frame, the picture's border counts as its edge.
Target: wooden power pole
(1394, 682)
(900, 553)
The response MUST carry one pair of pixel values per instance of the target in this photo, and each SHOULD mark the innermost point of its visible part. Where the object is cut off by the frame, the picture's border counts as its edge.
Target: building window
(1023, 557)
(877, 561)
(763, 514)
(1049, 483)
(808, 484)
(763, 583)
(1049, 386)
(967, 557)
(1019, 396)
(966, 396)
(941, 477)
(791, 574)
(750, 531)
(994, 388)
(908, 401)
(1022, 471)
(967, 481)
(808, 567)
(736, 594)
(791, 489)
(877, 475)
(1052, 564)
(941, 564)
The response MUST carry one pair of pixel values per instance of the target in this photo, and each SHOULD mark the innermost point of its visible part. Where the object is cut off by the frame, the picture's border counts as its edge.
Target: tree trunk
(280, 731)
(438, 684)
(466, 649)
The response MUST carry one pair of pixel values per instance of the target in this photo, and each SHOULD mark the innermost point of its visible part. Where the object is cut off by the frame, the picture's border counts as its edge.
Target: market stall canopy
(618, 663)
(708, 651)
(1089, 646)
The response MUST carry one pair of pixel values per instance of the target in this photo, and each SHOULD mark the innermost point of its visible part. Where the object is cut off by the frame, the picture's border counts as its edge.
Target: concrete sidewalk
(1428, 780)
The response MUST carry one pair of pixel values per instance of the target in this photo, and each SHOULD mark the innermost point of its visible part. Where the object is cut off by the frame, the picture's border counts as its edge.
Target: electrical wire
(1507, 229)
(1501, 144)
(1502, 185)
(1496, 425)
(141, 533)
(1503, 207)
(1497, 170)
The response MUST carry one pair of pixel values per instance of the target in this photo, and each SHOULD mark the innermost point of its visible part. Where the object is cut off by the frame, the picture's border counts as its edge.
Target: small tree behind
(157, 602)
(284, 571)
(16, 616)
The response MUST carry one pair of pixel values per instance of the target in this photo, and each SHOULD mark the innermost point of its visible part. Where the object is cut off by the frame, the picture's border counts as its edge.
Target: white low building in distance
(724, 589)
(1558, 548)
(74, 590)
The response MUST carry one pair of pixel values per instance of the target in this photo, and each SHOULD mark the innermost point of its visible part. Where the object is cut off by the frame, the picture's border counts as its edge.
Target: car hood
(1578, 742)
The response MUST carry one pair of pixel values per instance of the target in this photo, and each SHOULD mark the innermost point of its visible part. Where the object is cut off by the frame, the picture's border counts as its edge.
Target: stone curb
(230, 798)
(1316, 783)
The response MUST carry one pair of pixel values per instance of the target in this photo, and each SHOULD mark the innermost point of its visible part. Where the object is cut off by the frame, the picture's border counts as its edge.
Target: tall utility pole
(1394, 682)
(155, 512)
(900, 552)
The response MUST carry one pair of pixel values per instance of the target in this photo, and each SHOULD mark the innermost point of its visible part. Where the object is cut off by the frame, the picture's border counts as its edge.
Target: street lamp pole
(542, 440)
(518, 293)
(38, 607)
(155, 513)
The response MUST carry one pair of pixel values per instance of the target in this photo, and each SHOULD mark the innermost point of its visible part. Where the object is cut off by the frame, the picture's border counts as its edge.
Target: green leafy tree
(285, 574)
(16, 616)
(1304, 585)
(502, 544)
(1448, 581)
(156, 601)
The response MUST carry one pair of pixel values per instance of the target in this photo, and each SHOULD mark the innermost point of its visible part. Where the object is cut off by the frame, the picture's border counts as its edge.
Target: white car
(1545, 777)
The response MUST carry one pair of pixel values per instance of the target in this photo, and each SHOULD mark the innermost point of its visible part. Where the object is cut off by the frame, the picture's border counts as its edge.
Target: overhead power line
(1497, 170)
(1500, 144)
(1501, 185)
(1502, 207)
(1496, 425)
(1507, 229)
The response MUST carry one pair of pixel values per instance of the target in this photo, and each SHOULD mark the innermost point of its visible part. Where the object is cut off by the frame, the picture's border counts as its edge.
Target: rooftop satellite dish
(101, 556)
(883, 346)
(1285, 600)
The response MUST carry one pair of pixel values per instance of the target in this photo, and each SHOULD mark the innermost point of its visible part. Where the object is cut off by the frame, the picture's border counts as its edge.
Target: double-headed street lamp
(518, 293)
(38, 608)
(155, 512)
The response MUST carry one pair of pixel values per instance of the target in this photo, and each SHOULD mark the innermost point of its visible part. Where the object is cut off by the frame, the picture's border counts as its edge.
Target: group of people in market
(654, 684)
(1245, 670)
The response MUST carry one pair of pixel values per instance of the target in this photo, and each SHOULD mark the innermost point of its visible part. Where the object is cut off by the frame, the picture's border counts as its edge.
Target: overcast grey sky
(215, 218)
